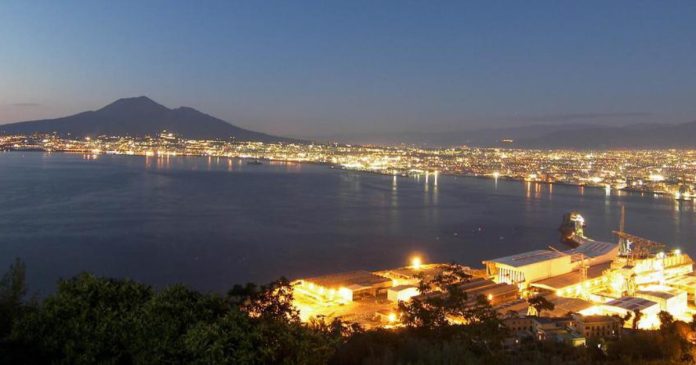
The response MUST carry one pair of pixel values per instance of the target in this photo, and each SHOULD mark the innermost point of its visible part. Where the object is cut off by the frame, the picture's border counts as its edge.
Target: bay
(212, 222)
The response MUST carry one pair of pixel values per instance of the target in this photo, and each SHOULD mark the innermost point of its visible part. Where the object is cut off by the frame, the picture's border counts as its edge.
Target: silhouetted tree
(440, 297)
(269, 301)
(12, 291)
(163, 322)
(540, 303)
(637, 315)
(666, 320)
(88, 320)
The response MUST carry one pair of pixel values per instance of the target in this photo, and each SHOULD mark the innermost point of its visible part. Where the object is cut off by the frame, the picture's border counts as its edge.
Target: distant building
(515, 324)
(597, 326)
(548, 328)
(556, 329)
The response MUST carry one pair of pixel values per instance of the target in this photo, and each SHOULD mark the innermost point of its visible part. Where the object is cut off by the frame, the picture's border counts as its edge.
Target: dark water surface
(211, 223)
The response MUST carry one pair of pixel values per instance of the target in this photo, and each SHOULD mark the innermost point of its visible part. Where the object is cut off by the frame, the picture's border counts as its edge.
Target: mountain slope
(140, 116)
(631, 136)
(572, 136)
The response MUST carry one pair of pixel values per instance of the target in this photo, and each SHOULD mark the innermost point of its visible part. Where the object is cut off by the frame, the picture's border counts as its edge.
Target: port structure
(593, 278)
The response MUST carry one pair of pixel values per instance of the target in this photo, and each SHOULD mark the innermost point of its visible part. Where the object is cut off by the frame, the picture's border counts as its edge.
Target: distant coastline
(356, 170)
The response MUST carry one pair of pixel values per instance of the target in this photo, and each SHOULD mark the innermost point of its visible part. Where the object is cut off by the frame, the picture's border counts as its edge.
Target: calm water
(211, 223)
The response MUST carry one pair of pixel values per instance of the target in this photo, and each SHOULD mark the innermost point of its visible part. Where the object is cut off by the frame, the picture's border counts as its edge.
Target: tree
(13, 288)
(637, 315)
(87, 320)
(442, 296)
(540, 303)
(263, 327)
(450, 276)
(427, 312)
(626, 317)
(162, 323)
(666, 320)
(480, 311)
(268, 301)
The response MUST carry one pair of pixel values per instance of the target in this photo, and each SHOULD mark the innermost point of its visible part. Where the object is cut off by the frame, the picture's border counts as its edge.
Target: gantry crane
(638, 247)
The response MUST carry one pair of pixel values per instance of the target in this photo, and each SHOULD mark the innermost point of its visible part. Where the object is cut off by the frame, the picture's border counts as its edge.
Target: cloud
(579, 116)
(26, 105)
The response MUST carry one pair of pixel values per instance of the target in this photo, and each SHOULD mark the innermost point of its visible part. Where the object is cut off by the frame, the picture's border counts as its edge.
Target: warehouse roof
(528, 258)
(656, 294)
(571, 278)
(686, 280)
(591, 248)
(358, 278)
(631, 303)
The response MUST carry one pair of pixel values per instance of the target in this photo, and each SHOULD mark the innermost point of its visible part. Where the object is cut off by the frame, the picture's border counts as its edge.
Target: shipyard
(594, 288)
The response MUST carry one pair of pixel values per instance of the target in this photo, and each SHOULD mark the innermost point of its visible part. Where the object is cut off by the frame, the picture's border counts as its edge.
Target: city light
(663, 172)
(416, 262)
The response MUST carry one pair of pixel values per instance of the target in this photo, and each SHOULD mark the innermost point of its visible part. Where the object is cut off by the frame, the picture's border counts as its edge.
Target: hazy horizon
(313, 69)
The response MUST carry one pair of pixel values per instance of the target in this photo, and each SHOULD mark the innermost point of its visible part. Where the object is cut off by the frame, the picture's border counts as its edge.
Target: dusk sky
(306, 68)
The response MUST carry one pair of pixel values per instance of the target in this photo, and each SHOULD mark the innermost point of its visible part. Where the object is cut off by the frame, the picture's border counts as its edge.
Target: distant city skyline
(320, 69)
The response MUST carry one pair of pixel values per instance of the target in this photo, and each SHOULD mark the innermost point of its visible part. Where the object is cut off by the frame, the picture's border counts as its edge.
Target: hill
(140, 116)
(571, 136)
(630, 136)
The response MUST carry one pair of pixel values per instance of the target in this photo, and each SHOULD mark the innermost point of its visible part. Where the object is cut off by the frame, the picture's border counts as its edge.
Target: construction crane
(631, 246)
(624, 244)
(638, 247)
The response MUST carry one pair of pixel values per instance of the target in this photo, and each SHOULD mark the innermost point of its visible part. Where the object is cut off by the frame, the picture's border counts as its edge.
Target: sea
(210, 223)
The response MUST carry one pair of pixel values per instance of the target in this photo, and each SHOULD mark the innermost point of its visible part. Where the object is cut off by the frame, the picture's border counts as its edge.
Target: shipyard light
(345, 294)
(416, 262)
(656, 178)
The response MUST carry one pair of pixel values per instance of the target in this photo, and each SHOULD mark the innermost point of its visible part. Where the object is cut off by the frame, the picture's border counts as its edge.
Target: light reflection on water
(212, 222)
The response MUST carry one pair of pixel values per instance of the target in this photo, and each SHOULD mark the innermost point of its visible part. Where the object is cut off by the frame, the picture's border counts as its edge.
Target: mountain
(140, 116)
(630, 136)
(571, 136)
(484, 137)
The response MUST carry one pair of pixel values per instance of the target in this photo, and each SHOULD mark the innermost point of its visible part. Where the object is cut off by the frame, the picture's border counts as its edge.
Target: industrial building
(625, 305)
(526, 268)
(597, 326)
(345, 287)
(593, 278)
(402, 293)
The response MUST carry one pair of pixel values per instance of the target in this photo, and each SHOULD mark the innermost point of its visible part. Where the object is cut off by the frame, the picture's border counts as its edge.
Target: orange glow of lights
(416, 262)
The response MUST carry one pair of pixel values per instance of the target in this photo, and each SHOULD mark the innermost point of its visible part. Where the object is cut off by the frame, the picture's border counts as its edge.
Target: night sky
(320, 68)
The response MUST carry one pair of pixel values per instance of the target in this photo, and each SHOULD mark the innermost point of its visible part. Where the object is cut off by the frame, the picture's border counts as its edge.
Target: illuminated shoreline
(660, 172)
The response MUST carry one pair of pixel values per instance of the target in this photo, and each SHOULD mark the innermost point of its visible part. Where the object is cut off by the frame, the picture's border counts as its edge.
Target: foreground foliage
(91, 320)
